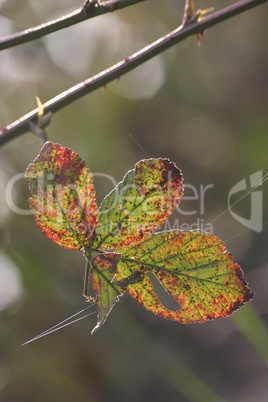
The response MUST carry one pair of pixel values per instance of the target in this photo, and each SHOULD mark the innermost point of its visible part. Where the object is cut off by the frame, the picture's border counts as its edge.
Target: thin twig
(73, 18)
(129, 63)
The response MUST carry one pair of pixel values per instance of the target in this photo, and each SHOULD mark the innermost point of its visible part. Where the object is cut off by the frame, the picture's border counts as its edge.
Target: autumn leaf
(63, 196)
(194, 267)
(103, 282)
(141, 202)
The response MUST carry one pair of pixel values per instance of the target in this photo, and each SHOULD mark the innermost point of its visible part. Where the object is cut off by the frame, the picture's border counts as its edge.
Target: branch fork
(191, 16)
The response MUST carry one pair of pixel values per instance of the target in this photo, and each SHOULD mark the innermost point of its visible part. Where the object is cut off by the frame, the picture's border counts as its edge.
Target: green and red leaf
(141, 202)
(103, 282)
(194, 267)
(62, 196)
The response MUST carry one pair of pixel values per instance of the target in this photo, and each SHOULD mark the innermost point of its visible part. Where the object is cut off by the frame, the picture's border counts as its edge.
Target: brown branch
(75, 17)
(21, 125)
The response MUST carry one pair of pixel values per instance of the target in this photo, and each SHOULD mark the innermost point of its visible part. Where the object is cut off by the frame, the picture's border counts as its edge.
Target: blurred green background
(203, 107)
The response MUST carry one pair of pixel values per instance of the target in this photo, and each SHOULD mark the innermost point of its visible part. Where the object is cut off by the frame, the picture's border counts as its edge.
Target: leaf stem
(86, 280)
(21, 125)
(63, 22)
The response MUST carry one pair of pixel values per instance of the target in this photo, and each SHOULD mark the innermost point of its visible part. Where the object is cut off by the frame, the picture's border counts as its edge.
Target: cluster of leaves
(122, 250)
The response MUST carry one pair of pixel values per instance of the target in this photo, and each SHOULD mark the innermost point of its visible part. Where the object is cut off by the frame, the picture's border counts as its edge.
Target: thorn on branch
(200, 37)
(2, 129)
(190, 16)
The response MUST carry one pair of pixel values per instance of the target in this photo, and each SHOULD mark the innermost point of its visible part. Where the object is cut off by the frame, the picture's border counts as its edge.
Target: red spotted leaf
(62, 196)
(194, 267)
(103, 282)
(141, 202)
